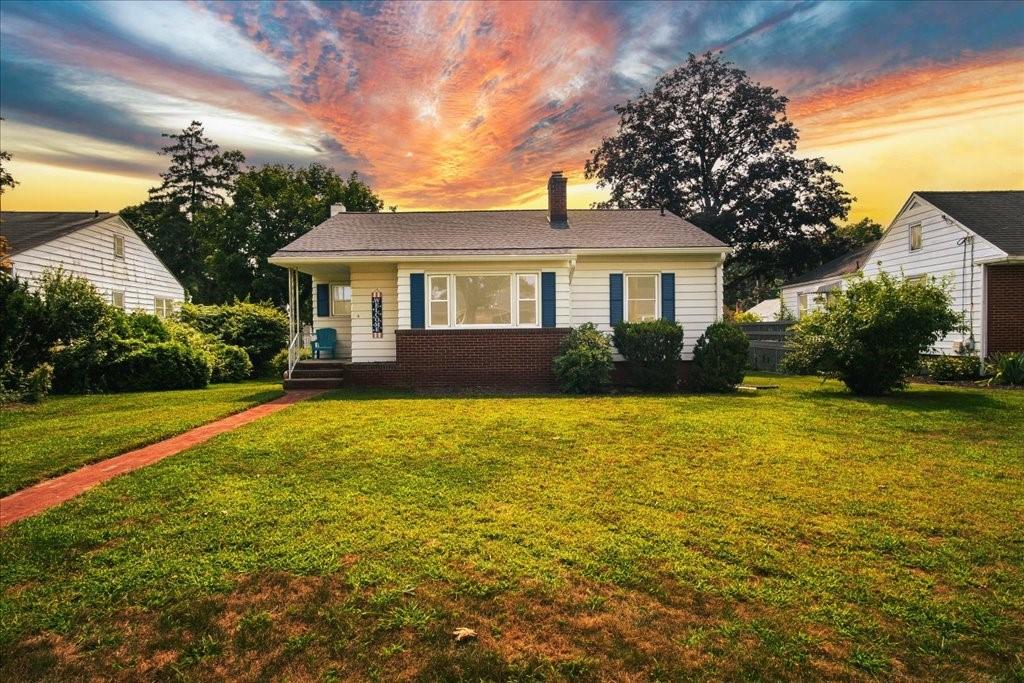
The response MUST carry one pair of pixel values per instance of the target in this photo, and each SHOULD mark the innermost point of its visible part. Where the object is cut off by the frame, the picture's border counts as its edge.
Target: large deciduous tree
(270, 207)
(6, 179)
(710, 145)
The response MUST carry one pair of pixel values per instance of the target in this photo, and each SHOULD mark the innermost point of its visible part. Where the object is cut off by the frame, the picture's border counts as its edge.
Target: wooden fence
(767, 344)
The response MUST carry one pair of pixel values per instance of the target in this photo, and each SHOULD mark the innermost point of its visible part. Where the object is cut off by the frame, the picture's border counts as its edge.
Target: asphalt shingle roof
(996, 215)
(494, 232)
(846, 264)
(27, 229)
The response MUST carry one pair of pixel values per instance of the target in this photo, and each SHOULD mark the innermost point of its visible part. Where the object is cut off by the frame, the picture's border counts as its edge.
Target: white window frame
(513, 277)
(920, 236)
(333, 301)
(119, 246)
(447, 300)
(625, 294)
(163, 307)
(113, 298)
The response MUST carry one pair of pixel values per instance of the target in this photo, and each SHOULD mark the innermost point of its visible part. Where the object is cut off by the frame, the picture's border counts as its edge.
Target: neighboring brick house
(101, 247)
(483, 298)
(974, 240)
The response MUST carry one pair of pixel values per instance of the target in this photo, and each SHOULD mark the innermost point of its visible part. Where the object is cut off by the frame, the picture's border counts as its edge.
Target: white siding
(790, 295)
(939, 256)
(341, 324)
(698, 291)
(89, 253)
(366, 278)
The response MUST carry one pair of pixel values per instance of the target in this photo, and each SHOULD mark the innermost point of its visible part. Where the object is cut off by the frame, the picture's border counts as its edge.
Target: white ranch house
(975, 240)
(100, 247)
(472, 298)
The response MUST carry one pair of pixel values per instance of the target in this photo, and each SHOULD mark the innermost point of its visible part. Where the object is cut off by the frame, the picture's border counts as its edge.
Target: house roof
(846, 264)
(996, 215)
(27, 229)
(428, 233)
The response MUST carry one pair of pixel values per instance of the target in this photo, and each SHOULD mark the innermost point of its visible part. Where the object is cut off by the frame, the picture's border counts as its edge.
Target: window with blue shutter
(323, 300)
(615, 298)
(417, 317)
(547, 299)
(668, 296)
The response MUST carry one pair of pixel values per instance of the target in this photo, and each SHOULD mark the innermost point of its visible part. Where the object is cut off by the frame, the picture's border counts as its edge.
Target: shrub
(951, 368)
(872, 333)
(87, 365)
(228, 363)
(652, 349)
(24, 334)
(1007, 368)
(163, 365)
(136, 325)
(279, 363)
(719, 358)
(72, 306)
(745, 317)
(584, 361)
(260, 329)
(37, 383)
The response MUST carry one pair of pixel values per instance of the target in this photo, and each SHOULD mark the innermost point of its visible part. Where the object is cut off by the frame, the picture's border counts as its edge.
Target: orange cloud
(459, 105)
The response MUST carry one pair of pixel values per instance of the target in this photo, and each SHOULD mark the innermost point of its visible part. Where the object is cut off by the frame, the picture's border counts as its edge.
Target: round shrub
(652, 349)
(163, 365)
(229, 363)
(719, 358)
(872, 334)
(584, 361)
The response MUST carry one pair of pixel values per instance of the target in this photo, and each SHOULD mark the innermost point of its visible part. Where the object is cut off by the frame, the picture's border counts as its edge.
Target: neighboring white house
(99, 247)
(767, 310)
(972, 240)
(484, 297)
(810, 291)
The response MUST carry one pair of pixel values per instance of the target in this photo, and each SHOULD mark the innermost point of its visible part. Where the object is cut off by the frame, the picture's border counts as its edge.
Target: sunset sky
(464, 105)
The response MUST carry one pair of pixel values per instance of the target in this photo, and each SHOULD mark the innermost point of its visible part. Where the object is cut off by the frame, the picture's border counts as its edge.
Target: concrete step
(314, 383)
(307, 372)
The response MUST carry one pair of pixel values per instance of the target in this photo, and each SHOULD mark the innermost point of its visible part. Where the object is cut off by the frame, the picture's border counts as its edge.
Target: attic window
(916, 237)
(118, 246)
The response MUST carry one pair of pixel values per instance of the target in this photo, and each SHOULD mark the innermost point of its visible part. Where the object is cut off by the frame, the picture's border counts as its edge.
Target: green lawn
(797, 534)
(66, 432)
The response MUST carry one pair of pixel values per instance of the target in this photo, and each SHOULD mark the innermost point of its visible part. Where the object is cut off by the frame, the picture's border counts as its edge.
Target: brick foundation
(518, 359)
(1005, 312)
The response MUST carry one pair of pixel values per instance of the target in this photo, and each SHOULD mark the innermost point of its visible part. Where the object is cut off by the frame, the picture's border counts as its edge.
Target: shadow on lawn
(929, 400)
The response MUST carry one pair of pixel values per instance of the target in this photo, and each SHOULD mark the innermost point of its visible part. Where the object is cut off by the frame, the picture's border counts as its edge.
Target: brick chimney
(558, 213)
(337, 208)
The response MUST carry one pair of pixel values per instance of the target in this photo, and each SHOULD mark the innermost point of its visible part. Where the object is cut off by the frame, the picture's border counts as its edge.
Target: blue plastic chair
(326, 340)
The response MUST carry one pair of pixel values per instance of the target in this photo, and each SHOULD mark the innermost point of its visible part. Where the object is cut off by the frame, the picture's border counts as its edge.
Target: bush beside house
(584, 361)
(719, 358)
(872, 334)
(651, 349)
(260, 329)
(66, 334)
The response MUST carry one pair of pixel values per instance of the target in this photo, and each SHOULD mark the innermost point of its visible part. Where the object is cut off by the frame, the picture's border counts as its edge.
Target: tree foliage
(872, 334)
(708, 144)
(6, 179)
(199, 175)
(270, 207)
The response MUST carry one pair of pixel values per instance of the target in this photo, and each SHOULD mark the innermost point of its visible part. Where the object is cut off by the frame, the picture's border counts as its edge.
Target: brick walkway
(46, 494)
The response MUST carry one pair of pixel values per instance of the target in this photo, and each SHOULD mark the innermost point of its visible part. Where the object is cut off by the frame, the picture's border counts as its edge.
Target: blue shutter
(323, 300)
(547, 299)
(615, 298)
(416, 291)
(668, 297)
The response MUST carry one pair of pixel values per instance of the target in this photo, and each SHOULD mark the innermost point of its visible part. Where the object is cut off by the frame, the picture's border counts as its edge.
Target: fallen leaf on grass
(462, 633)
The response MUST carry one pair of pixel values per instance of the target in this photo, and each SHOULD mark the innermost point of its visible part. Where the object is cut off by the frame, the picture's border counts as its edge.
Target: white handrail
(294, 352)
